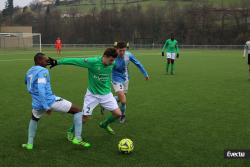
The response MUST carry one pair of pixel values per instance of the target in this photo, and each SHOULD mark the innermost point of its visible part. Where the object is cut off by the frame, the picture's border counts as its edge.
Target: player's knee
(123, 100)
(34, 118)
(85, 118)
(117, 113)
(122, 97)
(74, 110)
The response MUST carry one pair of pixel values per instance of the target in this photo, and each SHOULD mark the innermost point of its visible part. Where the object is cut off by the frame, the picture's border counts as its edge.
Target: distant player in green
(172, 51)
(99, 86)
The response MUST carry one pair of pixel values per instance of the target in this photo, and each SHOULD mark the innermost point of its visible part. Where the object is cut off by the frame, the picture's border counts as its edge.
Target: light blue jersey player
(120, 74)
(37, 81)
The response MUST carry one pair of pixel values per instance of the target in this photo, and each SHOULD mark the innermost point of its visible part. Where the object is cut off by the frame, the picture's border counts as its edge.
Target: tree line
(197, 22)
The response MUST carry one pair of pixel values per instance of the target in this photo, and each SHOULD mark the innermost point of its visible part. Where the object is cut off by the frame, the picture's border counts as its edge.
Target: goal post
(21, 41)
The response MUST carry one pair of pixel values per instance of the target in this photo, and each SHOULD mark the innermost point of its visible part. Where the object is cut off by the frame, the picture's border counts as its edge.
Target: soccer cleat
(27, 146)
(107, 128)
(81, 142)
(122, 119)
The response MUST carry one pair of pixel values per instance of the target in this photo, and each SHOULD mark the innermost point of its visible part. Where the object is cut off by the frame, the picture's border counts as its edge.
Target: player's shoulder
(248, 43)
(94, 59)
(38, 71)
(128, 53)
(43, 71)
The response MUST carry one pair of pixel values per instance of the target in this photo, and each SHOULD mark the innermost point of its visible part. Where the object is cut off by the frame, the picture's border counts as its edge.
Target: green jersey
(171, 46)
(99, 75)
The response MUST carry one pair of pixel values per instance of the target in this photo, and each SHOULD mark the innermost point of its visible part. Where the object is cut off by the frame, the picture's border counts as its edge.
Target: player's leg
(76, 129)
(60, 50)
(121, 90)
(57, 51)
(168, 62)
(117, 87)
(123, 100)
(172, 60)
(62, 105)
(36, 115)
(109, 103)
(90, 102)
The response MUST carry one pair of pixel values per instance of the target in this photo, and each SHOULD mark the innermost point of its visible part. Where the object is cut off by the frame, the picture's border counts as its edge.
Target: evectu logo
(237, 154)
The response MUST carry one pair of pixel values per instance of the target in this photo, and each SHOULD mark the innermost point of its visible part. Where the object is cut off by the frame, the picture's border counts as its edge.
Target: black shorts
(248, 57)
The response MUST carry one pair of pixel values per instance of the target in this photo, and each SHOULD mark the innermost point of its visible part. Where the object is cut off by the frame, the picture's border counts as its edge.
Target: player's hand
(146, 78)
(178, 55)
(49, 112)
(162, 53)
(52, 62)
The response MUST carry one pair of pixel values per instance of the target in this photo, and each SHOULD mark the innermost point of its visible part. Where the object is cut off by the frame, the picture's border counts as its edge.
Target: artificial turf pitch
(183, 120)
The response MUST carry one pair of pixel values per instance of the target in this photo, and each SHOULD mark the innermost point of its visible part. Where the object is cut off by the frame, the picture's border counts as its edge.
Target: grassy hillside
(87, 6)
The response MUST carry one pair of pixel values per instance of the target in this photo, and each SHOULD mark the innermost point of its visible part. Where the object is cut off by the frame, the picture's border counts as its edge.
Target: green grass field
(183, 120)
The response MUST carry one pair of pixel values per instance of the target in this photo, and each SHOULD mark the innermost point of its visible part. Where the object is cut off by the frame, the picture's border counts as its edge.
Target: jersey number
(30, 77)
(88, 109)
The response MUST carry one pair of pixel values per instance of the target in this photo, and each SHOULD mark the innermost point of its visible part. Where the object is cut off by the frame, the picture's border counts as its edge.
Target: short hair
(121, 45)
(110, 52)
(38, 56)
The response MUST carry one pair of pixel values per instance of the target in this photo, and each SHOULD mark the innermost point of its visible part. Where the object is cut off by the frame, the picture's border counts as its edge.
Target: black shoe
(122, 119)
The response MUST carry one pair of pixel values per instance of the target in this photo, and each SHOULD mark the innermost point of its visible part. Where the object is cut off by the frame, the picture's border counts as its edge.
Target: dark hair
(121, 45)
(38, 56)
(110, 52)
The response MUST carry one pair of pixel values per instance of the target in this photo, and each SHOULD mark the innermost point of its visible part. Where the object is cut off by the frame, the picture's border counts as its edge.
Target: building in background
(46, 2)
(16, 37)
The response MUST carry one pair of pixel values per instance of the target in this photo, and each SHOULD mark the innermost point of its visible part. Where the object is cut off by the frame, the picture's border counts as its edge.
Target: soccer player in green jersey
(172, 50)
(99, 86)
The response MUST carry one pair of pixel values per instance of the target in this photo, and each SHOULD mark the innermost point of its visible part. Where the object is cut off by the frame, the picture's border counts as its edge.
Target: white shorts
(60, 105)
(120, 86)
(91, 101)
(171, 56)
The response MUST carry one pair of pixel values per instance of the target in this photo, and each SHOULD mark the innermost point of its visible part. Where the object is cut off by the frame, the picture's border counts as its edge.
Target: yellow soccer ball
(126, 146)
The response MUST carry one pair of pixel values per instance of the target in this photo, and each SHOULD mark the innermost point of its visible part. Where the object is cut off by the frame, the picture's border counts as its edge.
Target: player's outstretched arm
(81, 62)
(139, 66)
(164, 48)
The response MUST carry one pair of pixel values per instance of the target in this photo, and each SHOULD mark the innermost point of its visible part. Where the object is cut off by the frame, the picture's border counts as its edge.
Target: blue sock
(32, 131)
(123, 108)
(78, 125)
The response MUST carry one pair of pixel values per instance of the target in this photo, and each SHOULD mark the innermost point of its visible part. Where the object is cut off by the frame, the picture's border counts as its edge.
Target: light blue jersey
(37, 80)
(120, 72)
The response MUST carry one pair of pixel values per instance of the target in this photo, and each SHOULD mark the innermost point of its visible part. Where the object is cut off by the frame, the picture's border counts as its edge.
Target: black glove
(162, 53)
(52, 62)
(178, 55)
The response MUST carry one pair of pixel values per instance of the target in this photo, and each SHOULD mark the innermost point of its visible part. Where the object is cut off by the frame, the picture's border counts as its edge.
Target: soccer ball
(126, 146)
